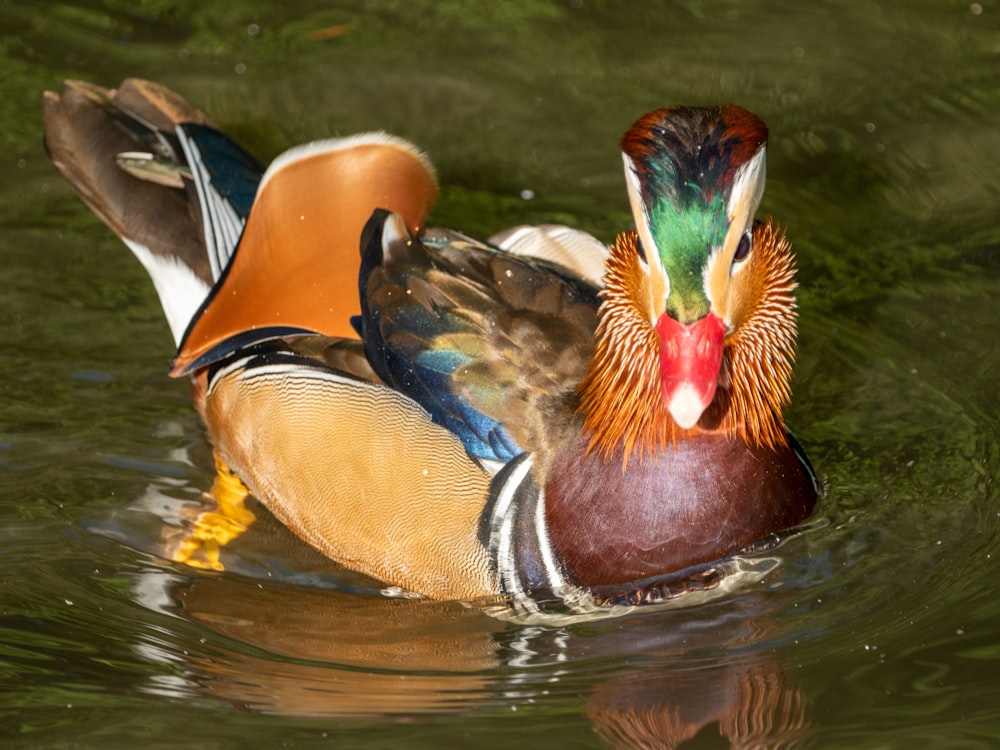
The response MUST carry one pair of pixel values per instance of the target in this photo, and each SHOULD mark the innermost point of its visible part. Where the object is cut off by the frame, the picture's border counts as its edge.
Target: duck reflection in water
(651, 679)
(539, 418)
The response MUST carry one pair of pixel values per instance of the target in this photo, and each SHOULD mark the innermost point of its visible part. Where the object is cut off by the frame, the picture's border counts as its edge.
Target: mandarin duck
(535, 419)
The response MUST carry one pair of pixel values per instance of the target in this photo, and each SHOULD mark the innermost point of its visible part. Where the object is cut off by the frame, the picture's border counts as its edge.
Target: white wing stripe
(221, 225)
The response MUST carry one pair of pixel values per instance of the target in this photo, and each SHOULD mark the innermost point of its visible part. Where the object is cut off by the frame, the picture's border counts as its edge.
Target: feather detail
(760, 351)
(620, 396)
(492, 344)
(578, 252)
(300, 248)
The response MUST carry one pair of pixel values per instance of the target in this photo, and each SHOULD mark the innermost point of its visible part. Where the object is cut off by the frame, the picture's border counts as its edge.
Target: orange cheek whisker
(621, 397)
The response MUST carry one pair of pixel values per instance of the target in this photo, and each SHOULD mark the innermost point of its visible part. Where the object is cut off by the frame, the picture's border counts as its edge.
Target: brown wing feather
(512, 335)
(345, 355)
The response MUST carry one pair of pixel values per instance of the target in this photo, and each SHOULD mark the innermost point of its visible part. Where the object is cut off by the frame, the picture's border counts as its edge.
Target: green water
(879, 628)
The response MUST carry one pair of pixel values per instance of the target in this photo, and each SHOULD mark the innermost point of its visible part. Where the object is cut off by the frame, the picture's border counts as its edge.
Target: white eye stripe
(744, 199)
(748, 188)
(639, 210)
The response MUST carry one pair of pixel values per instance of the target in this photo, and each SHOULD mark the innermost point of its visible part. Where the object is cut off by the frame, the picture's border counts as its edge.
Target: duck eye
(743, 248)
(640, 250)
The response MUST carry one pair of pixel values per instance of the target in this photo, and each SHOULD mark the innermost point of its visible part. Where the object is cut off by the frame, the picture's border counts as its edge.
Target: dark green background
(883, 165)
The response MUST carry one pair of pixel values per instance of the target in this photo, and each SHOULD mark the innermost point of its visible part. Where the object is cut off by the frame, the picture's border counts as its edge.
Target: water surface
(877, 628)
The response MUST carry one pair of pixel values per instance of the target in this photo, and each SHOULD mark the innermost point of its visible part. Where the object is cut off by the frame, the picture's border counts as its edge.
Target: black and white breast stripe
(266, 360)
(515, 532)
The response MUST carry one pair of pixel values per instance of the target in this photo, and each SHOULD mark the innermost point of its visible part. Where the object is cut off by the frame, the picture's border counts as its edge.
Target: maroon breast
(705, 497)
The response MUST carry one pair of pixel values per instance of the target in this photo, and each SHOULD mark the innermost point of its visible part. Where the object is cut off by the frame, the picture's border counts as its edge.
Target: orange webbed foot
(213, 529)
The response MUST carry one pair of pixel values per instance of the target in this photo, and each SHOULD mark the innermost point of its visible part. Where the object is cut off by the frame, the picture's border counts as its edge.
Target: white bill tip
(686, 406)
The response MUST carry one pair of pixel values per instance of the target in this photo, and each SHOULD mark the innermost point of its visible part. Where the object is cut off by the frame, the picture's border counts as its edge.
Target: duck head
(697, 326)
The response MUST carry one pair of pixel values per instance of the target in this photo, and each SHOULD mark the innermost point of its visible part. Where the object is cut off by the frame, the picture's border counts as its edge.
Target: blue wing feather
(426, 376)
(233, 172)
(482, 436)
(426, 310)
(226, 179)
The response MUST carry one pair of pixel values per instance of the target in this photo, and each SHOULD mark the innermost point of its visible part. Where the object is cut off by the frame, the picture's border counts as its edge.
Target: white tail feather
(180, 290)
